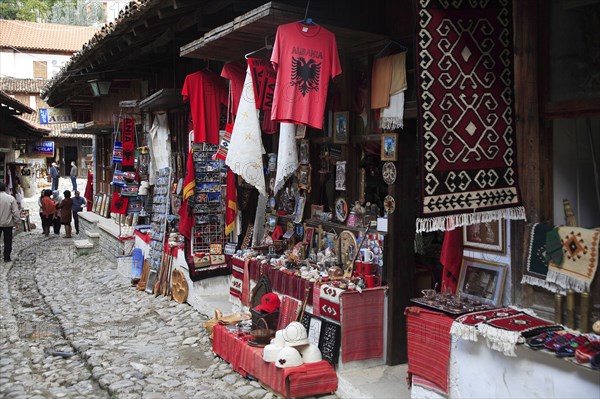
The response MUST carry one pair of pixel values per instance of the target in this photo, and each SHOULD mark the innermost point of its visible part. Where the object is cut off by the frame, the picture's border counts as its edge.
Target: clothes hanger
(267, 46)
(388, 44)
(307, 20)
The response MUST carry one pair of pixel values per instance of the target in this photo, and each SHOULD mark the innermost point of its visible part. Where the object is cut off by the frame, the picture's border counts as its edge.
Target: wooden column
(399, 245)
(533, 149)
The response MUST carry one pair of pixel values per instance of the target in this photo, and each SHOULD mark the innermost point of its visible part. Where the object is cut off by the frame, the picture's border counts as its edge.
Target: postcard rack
(209, 200)
(160, 212)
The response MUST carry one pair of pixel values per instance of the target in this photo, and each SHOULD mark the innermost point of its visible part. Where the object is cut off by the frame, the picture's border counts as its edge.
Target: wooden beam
(399, 245)
(532, 147)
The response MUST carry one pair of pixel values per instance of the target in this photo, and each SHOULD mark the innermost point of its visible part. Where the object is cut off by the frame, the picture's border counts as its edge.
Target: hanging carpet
(467, 136)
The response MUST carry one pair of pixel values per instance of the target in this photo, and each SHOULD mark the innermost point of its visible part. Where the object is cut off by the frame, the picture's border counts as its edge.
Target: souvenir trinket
(389, 204)
(341, 209)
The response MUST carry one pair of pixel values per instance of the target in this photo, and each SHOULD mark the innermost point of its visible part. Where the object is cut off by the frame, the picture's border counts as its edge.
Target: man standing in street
(73, 175)
(78, 203)
(54, 174)
(9, 217)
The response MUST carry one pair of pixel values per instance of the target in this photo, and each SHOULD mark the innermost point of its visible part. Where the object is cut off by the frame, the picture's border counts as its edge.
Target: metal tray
(435, 304)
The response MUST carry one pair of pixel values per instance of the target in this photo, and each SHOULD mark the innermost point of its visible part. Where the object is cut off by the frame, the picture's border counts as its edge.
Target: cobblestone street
(72, 327)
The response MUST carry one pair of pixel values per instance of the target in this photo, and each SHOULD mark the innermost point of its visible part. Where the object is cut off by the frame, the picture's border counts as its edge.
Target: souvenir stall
(309, 255)
(467, 324)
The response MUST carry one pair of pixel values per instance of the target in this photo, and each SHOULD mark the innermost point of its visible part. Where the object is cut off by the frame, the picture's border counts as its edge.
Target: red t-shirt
(206, 92)
(235, 71)
(305, 58)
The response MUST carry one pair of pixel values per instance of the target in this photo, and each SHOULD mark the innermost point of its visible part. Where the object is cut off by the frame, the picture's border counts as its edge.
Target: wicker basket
(264, 334)
(272, 318)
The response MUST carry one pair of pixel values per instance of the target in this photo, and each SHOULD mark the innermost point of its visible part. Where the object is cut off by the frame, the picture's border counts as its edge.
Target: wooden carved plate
(389, 173)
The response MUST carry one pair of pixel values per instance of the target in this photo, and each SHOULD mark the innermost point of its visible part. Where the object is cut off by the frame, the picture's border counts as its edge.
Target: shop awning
(247, 33)
(162, 100)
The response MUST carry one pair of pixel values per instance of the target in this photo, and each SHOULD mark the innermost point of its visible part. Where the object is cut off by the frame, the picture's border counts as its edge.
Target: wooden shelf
(247, 33)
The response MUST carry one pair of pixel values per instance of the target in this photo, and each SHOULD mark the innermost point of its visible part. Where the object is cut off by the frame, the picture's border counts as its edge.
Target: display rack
(160, 212)
(209, 199)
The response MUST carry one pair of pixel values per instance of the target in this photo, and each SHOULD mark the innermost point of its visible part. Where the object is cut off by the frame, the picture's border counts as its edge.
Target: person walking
(66, 211)
(9, 218)
(57, 198)
(78, 203)
(73, 175)
(48, 211)
(54, 174)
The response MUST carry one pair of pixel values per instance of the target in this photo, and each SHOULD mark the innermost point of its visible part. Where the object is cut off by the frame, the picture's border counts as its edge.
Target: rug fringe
(451, 222)
(564, 282)
(538, 282)
(501, 340)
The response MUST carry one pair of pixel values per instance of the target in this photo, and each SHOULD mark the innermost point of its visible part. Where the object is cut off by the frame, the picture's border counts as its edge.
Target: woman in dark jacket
(66, 210)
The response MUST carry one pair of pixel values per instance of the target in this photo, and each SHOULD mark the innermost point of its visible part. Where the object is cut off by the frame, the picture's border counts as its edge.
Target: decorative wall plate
(348, 246)
(389, 204)
(389, 173)
(341, 209)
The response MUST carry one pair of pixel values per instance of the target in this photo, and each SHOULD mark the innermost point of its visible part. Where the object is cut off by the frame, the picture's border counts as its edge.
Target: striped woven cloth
(429, 345)
(362, 324)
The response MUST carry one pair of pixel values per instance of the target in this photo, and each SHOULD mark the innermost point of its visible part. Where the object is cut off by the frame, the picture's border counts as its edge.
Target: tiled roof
(130, 12)
(47, 37)
(14, 85)
(13, 105)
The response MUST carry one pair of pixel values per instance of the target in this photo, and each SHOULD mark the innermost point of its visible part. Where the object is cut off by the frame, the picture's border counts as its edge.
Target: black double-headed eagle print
(305, 74)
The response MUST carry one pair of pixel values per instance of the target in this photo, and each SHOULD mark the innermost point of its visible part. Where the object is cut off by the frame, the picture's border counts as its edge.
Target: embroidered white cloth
(287, 158)
(392, 117)
(246, 148)
(160, 145)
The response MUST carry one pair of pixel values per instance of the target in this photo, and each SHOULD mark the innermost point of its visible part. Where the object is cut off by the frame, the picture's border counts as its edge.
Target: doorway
(70, 155)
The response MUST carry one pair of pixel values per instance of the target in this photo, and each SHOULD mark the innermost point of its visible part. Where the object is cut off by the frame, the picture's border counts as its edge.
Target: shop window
(40, 70)
(574, 50)
(576, 168)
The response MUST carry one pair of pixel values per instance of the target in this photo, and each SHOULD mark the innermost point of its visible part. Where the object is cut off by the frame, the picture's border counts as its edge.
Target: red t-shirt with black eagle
(305, 58)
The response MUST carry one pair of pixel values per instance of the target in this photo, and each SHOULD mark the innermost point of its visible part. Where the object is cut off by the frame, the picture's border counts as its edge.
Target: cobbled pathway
(72, 327)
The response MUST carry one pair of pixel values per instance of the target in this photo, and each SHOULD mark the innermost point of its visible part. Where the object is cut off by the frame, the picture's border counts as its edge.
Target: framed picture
(106, 213)
(482, 280)
(308, 235)
(299, 210)
(304, 152)
(315, 211)
(340, 128)
(389, 147)
(340, 175)
(487, 236)
(97, 202)
(304, 172)
(271, 223)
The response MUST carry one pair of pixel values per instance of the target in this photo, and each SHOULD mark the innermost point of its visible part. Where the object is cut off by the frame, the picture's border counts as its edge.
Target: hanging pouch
(117, 156)
(118, 180)
(130, 190)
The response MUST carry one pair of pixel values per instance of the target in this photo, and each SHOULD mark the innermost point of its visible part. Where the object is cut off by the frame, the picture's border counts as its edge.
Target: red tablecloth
(295, 382)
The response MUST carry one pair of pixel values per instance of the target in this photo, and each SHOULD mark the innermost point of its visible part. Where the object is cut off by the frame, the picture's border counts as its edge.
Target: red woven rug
(429, 345)
(467, 135)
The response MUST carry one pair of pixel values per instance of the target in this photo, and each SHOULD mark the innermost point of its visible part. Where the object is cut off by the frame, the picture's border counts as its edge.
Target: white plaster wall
(20, 65)
(479, 372)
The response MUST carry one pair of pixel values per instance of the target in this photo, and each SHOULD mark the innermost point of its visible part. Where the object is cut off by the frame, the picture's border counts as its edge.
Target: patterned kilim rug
(467, 137)
(580, 261)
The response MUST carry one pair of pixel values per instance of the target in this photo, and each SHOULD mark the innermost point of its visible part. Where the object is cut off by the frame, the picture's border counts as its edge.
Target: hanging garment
(244, 156)
(287, 158)
(160, 146)
(306, 59)
(206, 93)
